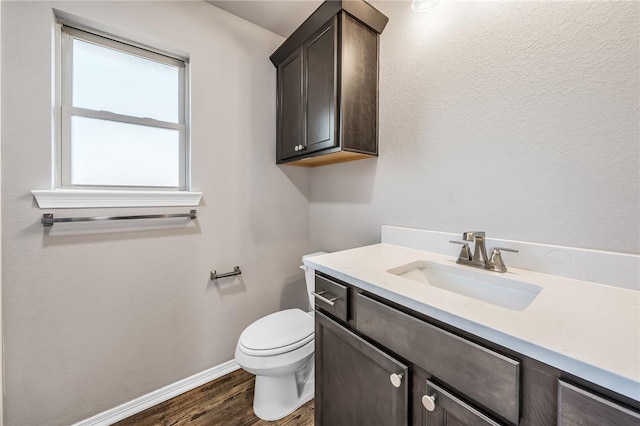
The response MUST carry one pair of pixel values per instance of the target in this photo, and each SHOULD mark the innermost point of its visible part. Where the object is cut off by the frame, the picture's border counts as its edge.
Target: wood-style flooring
(226, 402)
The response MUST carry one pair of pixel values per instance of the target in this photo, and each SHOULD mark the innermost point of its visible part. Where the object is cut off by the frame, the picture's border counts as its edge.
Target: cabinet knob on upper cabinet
(300, 147)
(396, 379)
(297, 148)
(429, 402)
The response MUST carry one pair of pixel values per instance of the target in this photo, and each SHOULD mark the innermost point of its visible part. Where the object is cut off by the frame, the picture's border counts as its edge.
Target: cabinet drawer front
(328, 292)
(577, 406)
(490, 379)
(452, 410)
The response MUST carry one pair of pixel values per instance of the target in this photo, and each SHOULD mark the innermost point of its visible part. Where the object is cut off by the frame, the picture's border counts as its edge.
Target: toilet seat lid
(281, 329)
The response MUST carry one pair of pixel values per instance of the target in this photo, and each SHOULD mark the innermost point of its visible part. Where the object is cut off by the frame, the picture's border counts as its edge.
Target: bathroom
(518, 118)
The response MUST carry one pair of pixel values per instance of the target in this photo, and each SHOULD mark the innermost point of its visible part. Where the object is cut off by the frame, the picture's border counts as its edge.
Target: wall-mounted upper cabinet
(328, 86)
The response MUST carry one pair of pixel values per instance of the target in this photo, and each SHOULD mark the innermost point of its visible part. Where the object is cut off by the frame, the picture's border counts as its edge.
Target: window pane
(116, 154)
(109, 80)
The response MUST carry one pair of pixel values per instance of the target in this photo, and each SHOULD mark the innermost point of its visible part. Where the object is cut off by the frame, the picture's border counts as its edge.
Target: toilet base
(276, 397)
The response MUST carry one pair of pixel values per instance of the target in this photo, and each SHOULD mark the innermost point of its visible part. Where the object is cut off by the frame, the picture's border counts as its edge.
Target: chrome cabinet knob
(300, 147)
(396, 379)
(297, 148)
(429, 402)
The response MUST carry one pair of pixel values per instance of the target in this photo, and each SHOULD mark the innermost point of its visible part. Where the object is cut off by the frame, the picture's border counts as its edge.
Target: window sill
(89, 198)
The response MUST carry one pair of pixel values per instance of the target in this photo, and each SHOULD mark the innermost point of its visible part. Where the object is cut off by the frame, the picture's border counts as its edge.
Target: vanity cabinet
(327, 77)
(449, 376)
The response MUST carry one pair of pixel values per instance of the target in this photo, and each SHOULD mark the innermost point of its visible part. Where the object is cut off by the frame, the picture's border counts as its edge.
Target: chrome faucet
(479, 258)
(479, 249)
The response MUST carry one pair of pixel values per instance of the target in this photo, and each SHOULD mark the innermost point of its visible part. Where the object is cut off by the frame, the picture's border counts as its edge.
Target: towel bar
(49, 220)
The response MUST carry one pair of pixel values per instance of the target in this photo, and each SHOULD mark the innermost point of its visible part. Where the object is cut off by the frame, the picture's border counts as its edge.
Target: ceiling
(279, 16)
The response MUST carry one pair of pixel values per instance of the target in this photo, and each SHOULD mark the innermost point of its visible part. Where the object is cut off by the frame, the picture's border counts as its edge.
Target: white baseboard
(156, 397)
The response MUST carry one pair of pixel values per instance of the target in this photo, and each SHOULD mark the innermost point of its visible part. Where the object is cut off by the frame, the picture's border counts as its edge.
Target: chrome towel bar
(49, 220)
(236, 271)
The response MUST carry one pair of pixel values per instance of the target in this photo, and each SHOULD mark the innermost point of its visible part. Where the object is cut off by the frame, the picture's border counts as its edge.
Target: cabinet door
(320, 90)
(353, 380)
(445, 409)
(290, 113)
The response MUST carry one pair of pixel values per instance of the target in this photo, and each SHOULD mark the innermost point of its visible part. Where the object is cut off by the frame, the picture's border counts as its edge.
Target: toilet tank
(309, 277)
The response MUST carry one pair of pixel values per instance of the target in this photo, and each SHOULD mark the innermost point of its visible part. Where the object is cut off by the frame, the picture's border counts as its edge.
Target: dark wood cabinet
(328, 86)
(353, 380)
(307, 93)
(452, 377)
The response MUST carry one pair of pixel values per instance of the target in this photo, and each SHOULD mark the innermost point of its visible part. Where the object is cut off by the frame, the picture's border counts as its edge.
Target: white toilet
(278, 349)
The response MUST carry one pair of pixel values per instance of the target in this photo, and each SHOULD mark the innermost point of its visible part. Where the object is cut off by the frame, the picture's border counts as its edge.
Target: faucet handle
(495, 261)
(465, 253)
(505, 249)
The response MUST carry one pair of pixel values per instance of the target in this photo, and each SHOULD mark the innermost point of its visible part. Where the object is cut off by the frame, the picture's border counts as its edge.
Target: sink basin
(490, 287)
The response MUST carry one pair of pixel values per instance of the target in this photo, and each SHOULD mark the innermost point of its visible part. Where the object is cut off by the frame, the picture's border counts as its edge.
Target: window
(123, 116)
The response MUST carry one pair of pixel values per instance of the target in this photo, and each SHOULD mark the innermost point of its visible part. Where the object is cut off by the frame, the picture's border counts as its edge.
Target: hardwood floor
(225, 401)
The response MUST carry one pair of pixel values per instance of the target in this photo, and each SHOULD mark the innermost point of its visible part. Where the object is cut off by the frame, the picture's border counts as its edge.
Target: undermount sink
(490, 287)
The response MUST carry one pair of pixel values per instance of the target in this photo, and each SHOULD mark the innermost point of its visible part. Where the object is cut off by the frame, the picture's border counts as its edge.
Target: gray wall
(96, 316)
(517, 118)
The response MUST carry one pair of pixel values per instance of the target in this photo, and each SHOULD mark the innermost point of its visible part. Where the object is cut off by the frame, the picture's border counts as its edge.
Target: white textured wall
(517, 118)
(93, 320)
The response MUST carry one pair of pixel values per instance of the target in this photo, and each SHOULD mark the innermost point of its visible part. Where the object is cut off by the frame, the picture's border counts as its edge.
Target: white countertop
(586, 329)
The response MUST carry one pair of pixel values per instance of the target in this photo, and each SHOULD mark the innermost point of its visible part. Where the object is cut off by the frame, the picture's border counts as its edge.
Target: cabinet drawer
(332, 297)
(577, 406)
(488, 378)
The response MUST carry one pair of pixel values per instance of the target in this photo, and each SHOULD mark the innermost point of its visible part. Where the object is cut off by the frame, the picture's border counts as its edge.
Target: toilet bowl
(278, 349)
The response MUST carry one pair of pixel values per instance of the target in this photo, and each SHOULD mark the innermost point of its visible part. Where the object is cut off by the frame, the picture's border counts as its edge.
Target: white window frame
(67, 111)
(64, 195)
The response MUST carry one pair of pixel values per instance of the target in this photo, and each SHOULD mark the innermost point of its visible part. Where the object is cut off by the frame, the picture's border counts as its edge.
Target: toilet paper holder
(215, 275)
